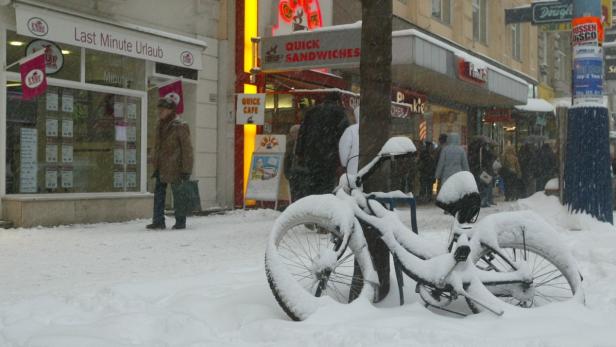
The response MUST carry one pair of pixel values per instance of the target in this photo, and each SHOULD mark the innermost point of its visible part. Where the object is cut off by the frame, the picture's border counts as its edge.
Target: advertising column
(587, 178)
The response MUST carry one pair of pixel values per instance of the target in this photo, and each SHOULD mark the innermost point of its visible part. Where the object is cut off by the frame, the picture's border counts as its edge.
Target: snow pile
(554, 213)
(398, 145)
(457, 186)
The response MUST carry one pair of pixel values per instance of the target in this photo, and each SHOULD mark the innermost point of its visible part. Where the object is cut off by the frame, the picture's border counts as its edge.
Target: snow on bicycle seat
(459, 196)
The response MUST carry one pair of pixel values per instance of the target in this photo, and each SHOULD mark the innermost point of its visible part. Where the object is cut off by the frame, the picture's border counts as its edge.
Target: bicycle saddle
(459, 197)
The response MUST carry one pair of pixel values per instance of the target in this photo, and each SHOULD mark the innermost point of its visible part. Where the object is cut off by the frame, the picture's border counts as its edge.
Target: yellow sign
(606, 13)
(550, 27)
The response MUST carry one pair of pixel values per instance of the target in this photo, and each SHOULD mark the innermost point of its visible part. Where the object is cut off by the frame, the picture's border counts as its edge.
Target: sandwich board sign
(264, 177)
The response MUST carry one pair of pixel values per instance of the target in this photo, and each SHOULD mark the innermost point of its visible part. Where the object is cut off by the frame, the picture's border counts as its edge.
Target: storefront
(81, 151)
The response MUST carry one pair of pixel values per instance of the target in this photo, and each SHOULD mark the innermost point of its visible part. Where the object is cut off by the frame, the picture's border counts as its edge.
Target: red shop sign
(472, 72)
(498, 115)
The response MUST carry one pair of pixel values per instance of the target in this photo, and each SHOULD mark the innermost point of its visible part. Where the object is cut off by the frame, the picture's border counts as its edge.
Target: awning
(536, 105)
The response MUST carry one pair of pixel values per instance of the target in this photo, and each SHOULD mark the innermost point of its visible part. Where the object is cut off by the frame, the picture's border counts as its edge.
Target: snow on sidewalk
(117, 284)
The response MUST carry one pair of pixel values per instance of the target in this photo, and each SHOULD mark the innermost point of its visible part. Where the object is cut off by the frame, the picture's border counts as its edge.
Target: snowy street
(121, 285)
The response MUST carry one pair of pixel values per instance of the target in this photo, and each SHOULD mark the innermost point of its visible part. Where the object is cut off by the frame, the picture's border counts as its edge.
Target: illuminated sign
(587, 31)
(298, 15)
(472, 72)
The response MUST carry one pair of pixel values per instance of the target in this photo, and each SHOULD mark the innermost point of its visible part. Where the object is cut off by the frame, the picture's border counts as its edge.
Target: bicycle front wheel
(307, 262)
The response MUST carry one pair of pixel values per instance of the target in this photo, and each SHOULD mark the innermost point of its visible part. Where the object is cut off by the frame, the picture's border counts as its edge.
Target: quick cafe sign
(551, 12)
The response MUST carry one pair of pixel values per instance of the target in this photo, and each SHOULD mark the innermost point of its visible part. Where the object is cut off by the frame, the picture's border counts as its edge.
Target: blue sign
(588, 73)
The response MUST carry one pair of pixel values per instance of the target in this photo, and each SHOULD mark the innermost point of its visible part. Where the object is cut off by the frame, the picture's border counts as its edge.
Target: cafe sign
(551, 12)
(59, 27)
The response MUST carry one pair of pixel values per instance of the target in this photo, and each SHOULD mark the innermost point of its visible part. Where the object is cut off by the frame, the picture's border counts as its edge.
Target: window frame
(481, 7)
(6, 76)
(442, 6)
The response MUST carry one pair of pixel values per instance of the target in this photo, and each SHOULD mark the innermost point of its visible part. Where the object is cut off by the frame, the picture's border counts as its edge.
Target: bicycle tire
(297, 295)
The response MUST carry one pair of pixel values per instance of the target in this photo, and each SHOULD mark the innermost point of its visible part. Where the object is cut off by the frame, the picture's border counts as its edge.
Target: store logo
(37, 26)
(34, 78)
(187, 58)
(472, 72)
(174, 96)
(272, 56)
(54, 59)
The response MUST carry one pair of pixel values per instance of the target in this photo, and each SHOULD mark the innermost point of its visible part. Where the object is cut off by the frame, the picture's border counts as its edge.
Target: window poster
(52, 101)
(28, 161)
(51, 178)
(118, 156)
(51, 126)
(131, 180)
(67, 177)
(118, 179)
(67, 153)
(131, 111)
(131, 156)
(131, 134)
(67, 127)
(51, 153)
(67, 102)
(118, 109)
(120, 132)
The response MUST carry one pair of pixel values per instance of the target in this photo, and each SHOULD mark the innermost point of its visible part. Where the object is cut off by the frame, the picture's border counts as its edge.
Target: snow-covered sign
(250, 109)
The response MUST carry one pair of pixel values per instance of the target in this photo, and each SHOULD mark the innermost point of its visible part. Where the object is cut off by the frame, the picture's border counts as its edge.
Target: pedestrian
(487, 173)
(547, 166)
(348, 146)
(317, 145)
(292, 169)
(511, 174)
(527, 160)
(427, 167)
(452, 159)
(442, 142)
(173, 163)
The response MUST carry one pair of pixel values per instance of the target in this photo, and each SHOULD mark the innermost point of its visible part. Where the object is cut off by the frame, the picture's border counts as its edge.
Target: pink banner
(33, 77)
(173, 90)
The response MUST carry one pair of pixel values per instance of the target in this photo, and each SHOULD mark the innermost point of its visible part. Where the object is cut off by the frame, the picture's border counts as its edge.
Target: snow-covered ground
(120, 285)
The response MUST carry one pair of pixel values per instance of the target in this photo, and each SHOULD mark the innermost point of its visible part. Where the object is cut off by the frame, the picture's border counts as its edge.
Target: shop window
(72, 141)
(480, 21)
(441, 10)
(63, 61)
(178, 71)
(114, 70)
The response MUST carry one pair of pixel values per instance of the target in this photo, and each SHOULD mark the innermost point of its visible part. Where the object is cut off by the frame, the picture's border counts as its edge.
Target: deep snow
(120, 285)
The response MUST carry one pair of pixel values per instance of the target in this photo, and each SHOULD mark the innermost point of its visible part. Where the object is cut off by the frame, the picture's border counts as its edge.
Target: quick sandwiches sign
(54, 26)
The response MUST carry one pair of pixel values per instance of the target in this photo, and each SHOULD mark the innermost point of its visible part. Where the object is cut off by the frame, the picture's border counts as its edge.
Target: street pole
(587, 179)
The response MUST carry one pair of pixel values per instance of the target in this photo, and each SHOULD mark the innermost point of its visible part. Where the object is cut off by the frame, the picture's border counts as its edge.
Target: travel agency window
(83, 135)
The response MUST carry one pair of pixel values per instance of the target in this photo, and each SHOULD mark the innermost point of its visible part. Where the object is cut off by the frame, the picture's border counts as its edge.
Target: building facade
(82, 151)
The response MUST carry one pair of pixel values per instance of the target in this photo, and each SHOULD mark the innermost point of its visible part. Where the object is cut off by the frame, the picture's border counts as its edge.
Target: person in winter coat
(547, 166)
(511, 174)
(452, 159)
(317, 145)
(427, 167)
(173, 163)
(348, 147)
(292, 170)
(527, 160)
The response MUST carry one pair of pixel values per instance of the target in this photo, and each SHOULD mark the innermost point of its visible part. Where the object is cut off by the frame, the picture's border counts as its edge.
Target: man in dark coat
(527, 160)
(547, 166)
(427, 167)
(317, 145)
(173, 163)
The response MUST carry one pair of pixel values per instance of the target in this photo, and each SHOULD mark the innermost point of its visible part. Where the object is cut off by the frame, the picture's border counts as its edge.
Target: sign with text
(498, 115)
(310, 50)
(416, 101)
(264, 178)
(55, 26)
(551, 12)
(250, 109)
(610, 69)
(473, 72)
(587, 31)
(587, 74)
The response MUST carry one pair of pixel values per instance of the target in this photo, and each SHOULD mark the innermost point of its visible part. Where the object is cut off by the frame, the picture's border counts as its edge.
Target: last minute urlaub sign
(91, 34)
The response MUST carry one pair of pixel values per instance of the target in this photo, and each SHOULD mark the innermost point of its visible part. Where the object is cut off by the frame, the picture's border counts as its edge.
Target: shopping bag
(186, 198)
(485, 177)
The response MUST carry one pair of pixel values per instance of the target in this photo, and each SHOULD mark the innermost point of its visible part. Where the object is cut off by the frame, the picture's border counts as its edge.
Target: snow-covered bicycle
(317, 251)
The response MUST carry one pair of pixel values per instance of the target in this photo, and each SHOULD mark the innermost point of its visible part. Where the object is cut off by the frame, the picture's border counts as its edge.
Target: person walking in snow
(317, 145)
(427, 167)
(452, 159)
(173, 163)
(511, 174)
(292, 170)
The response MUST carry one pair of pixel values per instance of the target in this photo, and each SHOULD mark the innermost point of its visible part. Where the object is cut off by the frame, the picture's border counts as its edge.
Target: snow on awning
(536, 105)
